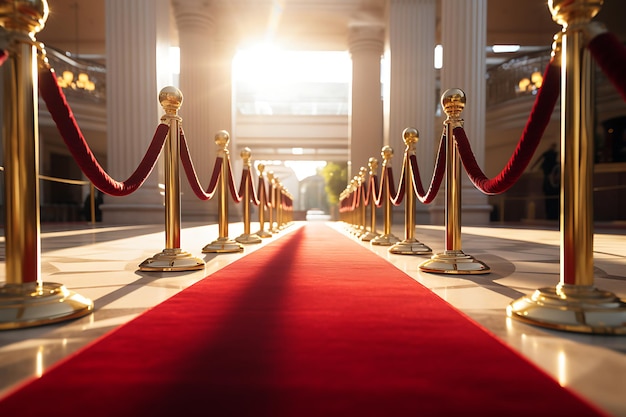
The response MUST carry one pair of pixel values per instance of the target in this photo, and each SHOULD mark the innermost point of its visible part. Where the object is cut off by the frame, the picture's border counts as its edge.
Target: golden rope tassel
(172, 258)
(410, 245)
(453, 260)
(575, 304)
(25, 300)
(223, 244)
(387, 238)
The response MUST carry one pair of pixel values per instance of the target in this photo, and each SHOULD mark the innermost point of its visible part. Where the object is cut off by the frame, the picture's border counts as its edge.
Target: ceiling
(315, 24)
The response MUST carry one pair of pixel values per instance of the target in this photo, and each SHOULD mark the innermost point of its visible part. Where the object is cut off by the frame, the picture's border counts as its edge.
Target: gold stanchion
(371, 233)
(387, 238)
(262, 233)
(172, 258)
(357, 224)
(25, 300)
(272, 202)
(453, 260)
(575, 304)
(246, 237)
(361, 227)
(223, 244)
(410, 245)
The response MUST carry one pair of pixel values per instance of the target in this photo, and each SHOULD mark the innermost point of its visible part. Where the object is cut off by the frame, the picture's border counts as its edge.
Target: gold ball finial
(386, 152)
(410, 136)
(569, 12)
(372, 163)
(222, 138)
(245, 154)
(171, 98)
(24, 15)
(260, 168)
(453, 102)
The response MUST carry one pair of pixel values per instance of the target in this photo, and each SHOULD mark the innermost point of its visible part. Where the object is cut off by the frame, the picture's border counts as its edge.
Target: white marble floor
(101, 263)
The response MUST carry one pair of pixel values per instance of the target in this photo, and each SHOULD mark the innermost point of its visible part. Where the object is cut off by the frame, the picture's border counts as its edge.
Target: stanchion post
(575, 304)
(372, 164)
(25, 300)
(223, 244)
(453, 260)
(262, 233)
(246, 237)
(172, 258)
(387, 238)
(410, 245)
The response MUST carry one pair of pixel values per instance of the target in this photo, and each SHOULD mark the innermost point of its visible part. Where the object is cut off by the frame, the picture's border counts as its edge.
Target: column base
(573, 308)
(454, 262)
(410, 247)
(37, 304)
(172, 260)
(223, 245)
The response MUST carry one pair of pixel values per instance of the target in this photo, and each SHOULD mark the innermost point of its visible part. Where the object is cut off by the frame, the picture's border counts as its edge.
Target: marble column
(410, 93)
(137, 41)
(463, 36)
(195, 26)
(365, 43)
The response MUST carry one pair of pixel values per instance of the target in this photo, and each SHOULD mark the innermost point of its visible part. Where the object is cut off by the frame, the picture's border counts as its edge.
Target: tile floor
(101, 263)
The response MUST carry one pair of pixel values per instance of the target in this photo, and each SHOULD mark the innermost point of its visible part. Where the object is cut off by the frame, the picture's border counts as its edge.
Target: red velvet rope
(72, 136)
(610, 54)
(192, 177)
(435, 183)
(370, 193)
(237, 197)
(3, 57)
(246, 181)
(263, 192)
(396, 198)
(535, 126)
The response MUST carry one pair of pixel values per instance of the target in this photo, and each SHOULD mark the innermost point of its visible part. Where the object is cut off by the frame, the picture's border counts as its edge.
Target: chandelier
(67, 79)
(530, 85)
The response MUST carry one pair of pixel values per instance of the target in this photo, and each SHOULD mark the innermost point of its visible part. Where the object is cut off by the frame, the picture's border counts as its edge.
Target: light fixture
(530, 84)
(66, 79)
(500, 49)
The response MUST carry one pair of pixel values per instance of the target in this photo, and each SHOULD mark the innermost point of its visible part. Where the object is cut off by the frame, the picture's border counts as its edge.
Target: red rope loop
(74, 140)
(237, 196)
(396, 197)
(263, 200)
(610, 54)
(192, 177)
(246, 182)
(435, 183)
(370, 193)
(535, 126)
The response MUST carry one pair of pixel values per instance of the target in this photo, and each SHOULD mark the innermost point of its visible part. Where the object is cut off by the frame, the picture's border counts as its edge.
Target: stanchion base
(369, 236)
(385, 240)
(172, 260)
(223, 245)
(263, 234)
(248, 238)
(37, 304)
(410, 247)
(454, 262)
(573, 308)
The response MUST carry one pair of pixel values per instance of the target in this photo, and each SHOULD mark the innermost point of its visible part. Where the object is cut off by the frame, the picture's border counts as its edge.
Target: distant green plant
(336, 178)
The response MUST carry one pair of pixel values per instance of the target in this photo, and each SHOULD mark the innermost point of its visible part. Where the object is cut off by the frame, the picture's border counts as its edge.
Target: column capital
(193, 15)
(366, 37)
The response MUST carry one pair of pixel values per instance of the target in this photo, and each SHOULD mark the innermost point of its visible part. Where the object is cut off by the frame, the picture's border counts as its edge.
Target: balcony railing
(80, 78)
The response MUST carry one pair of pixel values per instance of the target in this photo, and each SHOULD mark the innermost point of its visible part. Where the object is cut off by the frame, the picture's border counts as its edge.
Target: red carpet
(310, 325)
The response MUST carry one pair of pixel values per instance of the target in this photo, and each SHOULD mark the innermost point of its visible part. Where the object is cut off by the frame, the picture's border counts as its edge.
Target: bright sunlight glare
(268, 64)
